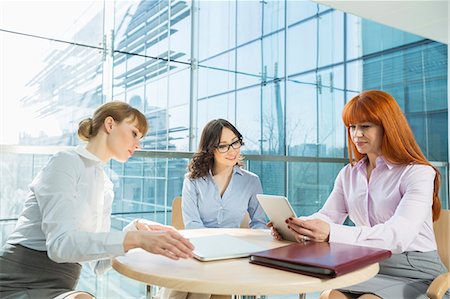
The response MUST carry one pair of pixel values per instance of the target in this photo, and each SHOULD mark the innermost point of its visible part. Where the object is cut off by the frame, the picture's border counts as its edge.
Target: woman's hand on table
(167, 242)
(154, 226)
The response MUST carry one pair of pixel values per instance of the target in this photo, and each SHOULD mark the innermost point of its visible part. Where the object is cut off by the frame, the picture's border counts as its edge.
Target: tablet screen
(278, 209)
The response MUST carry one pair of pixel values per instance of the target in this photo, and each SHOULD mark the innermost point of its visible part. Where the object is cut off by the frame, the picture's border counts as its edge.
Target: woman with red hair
(390, 192)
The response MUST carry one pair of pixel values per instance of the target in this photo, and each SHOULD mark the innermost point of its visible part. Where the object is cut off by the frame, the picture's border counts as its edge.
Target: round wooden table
(228, 277)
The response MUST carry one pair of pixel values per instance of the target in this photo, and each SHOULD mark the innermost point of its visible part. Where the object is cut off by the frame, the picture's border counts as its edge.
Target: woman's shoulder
(419, 169)
(349, 171)
(190, 180)
(348, 168)
(68, 154)
(65, 159)
(63, 162)
(247, 173)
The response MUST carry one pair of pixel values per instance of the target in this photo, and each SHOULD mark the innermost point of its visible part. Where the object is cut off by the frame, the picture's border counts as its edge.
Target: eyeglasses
(223, 148)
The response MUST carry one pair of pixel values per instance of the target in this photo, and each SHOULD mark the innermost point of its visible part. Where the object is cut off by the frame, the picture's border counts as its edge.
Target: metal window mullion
(425, 106)
(286, 151)
(166, 164)
(193, 106)
(318, 91)
(108, 50)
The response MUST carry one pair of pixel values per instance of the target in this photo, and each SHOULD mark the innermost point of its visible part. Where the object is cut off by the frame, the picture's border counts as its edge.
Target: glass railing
(145, 186)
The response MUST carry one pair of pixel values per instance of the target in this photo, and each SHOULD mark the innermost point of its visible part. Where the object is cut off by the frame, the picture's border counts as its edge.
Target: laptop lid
(222, 246)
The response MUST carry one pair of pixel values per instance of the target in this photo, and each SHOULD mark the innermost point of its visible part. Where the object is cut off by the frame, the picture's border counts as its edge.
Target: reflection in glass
(331, 38)
(301, 116)
(179, 77)
(71, 21)
(179, 128)
(302, 42)
(248, 20)
(300, 10)
(423, 101)
(272, 122)
(273, 57)
(217, 75)
(248, 65)
(391, 37)
(222, 106)
(143, 28)
(272, 175)
(249, 120)
(330, 142)
(273, 15)
(310, 184)
(216, 30)
(52, 88)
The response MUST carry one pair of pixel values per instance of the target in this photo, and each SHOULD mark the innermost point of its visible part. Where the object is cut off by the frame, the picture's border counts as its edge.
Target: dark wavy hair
(203, 159)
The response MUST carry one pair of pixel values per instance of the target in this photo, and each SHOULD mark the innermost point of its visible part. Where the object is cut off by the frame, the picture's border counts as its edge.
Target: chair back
(177, 215)
(245, 221)
(442, 234)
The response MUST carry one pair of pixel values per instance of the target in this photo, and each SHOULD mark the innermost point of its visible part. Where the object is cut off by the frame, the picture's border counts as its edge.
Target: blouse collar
(82, 151)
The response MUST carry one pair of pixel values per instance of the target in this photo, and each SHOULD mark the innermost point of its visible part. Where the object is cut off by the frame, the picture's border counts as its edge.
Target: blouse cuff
(114, 242)
(132, 226)
(343, 234)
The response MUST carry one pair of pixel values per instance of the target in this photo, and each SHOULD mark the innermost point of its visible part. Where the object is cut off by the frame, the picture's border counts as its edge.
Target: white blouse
(68, 210)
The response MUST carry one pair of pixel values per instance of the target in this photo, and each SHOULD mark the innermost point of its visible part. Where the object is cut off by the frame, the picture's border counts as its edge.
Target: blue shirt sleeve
(189, 205)
(255, 211)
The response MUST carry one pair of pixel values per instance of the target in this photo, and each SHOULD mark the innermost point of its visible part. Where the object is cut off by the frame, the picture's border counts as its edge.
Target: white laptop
(222, 246)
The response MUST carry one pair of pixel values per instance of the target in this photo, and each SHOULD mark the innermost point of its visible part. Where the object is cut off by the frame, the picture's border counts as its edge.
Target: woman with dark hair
(217, 192)
(390, 192)
(66, 216)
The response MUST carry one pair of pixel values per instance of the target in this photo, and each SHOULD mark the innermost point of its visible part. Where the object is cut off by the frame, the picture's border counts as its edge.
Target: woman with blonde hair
(390, 192)
(66, 216)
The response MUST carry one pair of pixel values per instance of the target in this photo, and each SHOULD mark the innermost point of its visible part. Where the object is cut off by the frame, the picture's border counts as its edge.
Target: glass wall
(280, 70)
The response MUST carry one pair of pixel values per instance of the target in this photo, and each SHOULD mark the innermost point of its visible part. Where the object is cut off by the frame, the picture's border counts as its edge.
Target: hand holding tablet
(278, 209)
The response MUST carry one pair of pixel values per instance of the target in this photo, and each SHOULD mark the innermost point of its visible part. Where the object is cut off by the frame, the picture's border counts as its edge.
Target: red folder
(319, 259)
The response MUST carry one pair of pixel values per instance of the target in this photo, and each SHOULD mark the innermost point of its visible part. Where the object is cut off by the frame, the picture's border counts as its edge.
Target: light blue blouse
(203, 206)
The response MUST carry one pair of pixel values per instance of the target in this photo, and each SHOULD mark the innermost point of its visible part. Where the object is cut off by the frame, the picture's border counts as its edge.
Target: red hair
(398, 145)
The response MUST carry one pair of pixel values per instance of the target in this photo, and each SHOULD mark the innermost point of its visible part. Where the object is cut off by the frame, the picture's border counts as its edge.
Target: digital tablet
(278, 209)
